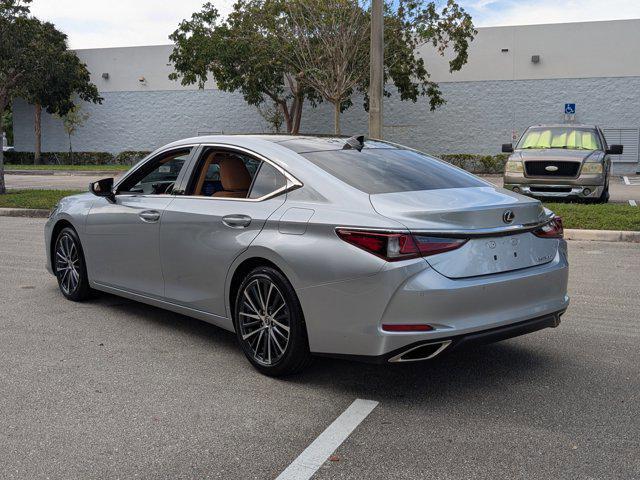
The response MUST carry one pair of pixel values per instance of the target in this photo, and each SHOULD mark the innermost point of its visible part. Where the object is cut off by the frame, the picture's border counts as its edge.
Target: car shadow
(459, 372)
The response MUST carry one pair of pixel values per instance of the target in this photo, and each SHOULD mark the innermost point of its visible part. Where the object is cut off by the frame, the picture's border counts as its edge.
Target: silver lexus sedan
(326, 246)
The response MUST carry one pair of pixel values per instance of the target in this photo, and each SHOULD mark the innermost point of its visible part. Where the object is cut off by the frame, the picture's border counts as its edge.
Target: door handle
(236, 221)
(149, 216)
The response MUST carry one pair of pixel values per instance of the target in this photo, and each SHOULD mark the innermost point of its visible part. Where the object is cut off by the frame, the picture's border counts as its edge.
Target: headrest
(234, 174)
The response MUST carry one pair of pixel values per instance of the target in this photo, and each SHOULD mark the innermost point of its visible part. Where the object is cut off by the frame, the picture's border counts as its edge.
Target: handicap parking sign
(569, 108)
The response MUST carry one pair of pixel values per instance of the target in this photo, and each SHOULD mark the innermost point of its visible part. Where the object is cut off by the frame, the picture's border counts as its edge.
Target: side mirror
(103, 188)
(507, 148)
(615, 150)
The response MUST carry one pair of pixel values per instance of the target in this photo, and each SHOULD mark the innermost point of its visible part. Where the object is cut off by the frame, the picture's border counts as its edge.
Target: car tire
(269, 323)
(604, 196)
(69, 266)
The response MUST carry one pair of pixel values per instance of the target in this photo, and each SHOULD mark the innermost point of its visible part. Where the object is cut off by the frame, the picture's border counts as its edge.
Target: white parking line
(633, 203)
(626, 180)
(328, 441)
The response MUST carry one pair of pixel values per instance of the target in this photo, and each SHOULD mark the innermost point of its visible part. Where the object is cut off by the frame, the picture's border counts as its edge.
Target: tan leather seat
(235, 178)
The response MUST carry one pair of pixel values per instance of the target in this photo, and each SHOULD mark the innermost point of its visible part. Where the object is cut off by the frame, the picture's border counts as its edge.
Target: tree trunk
(70, 151)
(37, 128)
(3, 105)
(297, 116)
(287, 116)
(336, 118)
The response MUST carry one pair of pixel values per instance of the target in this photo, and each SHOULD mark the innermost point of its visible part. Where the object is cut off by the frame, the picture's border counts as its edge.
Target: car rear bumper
(346, 318)
(427, 350)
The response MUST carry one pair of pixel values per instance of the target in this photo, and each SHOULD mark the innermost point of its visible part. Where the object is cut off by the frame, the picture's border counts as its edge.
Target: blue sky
(99, 23)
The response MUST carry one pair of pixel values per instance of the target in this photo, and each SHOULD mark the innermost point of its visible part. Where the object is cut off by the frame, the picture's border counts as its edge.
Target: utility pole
(376, 71)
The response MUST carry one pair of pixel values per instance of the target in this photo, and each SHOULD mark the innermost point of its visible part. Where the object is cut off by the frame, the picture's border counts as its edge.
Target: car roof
(296, 143)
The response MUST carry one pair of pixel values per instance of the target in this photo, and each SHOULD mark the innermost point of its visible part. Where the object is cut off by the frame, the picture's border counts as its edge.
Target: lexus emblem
(508, 216)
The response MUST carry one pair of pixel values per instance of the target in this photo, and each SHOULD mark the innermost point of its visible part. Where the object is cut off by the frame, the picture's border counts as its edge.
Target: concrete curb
(569, 233)
(88, 173)
(602, 235)
(24, 212)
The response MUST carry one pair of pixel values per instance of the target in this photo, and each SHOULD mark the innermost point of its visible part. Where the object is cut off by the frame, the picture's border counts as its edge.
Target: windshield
(571, 138)
(386, 170)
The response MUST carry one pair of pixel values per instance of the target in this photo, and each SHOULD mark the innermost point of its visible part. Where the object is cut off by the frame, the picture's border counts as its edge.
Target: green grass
(41, 199)
(608, 216)
(87, 168)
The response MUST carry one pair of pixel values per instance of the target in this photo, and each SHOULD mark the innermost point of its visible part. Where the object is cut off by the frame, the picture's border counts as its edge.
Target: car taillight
(399, 246)
(553, 229)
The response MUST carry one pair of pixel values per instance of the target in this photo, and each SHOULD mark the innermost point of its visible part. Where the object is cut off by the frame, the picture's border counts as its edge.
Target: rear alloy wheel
(69, 265)
(269, 323)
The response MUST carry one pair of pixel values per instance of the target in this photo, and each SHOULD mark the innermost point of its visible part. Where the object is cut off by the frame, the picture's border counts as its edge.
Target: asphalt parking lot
(115, 389)
(621, 190)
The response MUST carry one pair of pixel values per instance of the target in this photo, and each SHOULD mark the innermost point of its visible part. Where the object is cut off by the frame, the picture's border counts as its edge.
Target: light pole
(376, 71)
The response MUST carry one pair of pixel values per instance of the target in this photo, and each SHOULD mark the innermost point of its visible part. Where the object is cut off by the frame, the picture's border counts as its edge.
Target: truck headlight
(592, 168)
(514, 167)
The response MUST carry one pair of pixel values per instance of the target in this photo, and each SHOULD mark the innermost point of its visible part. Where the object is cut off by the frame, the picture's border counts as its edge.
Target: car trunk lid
(480, 214)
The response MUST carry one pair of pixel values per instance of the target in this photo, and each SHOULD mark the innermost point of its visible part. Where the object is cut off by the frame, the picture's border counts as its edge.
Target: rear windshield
(387, 170)
(569, 138)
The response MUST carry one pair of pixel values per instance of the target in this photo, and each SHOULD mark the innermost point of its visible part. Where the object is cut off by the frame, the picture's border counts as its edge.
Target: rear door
(123, 236)
(204, 231)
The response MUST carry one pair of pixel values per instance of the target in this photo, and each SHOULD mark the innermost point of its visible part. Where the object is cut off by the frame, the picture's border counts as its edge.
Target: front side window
(570, 138)
(387, 170)
(158, 175)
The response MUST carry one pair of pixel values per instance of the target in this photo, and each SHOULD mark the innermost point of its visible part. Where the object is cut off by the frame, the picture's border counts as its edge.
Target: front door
(229, 199)
(122, 237)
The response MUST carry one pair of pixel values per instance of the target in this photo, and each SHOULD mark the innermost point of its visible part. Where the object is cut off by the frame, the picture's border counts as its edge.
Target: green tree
(331, 47)
(242, 53)
(16, 58)
(290, 51)
(59, 76)
(73, 119)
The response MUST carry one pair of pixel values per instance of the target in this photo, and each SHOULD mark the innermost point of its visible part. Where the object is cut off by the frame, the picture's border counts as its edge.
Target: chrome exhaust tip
(425, 351)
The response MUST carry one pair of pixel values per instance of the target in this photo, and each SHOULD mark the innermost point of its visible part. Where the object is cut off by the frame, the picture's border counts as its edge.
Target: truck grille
(564, 169)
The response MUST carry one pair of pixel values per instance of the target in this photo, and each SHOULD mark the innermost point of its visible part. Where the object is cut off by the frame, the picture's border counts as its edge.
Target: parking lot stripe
(633, 203)
(312, 458)
(626, 180)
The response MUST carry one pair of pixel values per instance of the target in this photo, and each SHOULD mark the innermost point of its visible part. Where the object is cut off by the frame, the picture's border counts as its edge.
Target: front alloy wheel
(269, 323)
(69, 265)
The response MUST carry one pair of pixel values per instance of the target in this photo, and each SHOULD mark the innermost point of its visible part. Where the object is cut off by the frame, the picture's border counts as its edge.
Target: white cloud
(114, 23)
(110, 23)
(530, 12)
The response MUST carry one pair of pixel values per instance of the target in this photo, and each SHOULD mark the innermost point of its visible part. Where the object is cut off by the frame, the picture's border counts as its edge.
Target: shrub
(130, 157)
(60, 158)
(477, 163)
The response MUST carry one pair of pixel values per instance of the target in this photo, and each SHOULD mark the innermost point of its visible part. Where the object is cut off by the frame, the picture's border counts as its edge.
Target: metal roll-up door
(629, 138)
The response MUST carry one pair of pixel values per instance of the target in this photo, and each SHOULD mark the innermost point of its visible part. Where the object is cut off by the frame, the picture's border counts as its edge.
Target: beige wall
(569, 50)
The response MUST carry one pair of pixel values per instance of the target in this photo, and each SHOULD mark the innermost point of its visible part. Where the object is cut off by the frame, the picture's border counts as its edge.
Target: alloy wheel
(67, 264)
(264, 321)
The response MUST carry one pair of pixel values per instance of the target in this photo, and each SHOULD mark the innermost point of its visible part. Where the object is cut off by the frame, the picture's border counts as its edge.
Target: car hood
(458, 208)
(556, 155)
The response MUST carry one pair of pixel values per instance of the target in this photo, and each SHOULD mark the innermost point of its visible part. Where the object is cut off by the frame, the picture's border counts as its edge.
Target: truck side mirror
(615, 150)
(507, 148)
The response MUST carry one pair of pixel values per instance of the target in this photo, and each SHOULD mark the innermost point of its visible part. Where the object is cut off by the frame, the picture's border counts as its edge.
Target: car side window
(223, 174)
(158, 175)
(268, 180)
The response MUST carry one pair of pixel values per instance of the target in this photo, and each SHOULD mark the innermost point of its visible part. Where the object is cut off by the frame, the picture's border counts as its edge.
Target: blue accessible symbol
(569, 108)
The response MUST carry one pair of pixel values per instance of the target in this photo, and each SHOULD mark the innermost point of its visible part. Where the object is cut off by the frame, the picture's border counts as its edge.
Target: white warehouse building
(516, 76)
